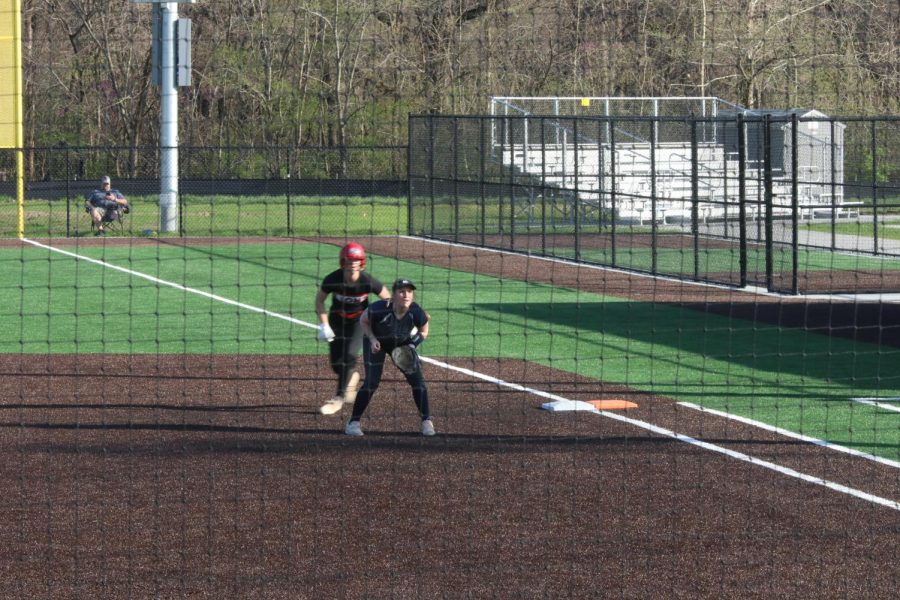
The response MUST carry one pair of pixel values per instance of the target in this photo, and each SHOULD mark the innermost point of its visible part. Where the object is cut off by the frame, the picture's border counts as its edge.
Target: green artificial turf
(673, 261)
(791, 378)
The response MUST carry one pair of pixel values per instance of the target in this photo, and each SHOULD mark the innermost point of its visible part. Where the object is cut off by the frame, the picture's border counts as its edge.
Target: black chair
(113, 220)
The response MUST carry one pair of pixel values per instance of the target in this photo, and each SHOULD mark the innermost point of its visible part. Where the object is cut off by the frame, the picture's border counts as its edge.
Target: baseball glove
(406, 359)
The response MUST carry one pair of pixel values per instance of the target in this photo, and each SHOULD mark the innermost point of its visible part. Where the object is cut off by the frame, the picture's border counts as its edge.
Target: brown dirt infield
(215, 477)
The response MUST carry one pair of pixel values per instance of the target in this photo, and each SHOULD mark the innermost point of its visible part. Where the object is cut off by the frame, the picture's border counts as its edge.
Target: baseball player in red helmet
(349, 288)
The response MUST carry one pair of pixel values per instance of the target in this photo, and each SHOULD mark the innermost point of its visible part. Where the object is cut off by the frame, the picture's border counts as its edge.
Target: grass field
(222, 216)
(723, 260)
(888, 230)
(321, 216)
(790, 378)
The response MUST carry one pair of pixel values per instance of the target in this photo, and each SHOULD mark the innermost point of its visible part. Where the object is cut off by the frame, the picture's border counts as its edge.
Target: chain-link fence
(791, 200)
(271, 191)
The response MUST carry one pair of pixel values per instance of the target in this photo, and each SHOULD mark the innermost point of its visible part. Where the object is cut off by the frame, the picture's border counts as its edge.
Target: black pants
(344, 349)
(374, 363)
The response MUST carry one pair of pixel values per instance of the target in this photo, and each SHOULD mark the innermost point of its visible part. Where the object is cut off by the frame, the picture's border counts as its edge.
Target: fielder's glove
(326, 334)
(406, 359)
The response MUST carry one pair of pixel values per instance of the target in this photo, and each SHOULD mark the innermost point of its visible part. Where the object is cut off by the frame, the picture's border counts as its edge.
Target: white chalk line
(660, 276)
(514, 386)
(794, 434)
(172, 284)
(879, 403)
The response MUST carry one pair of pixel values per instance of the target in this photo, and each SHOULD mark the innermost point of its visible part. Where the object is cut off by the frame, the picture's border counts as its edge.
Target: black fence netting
(787, 201)
(229, 191)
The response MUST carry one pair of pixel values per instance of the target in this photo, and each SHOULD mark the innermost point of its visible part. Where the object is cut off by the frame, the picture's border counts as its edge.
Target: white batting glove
(325, 333)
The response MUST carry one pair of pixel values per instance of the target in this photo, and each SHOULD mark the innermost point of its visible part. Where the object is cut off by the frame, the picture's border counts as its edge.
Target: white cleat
(428, 428)
(332, 406)
(353, 428)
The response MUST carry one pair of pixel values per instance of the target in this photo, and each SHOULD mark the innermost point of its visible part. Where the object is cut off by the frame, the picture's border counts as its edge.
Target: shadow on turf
(184, 408)
(334, 439)
(677, 326)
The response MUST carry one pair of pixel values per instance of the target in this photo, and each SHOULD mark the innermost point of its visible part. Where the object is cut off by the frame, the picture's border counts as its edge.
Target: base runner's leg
(352, 344)
(352, 387)
(336, 354)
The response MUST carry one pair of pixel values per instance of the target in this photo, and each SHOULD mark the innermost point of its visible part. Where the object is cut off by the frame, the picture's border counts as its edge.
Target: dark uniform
(349, 301)
(391, 332)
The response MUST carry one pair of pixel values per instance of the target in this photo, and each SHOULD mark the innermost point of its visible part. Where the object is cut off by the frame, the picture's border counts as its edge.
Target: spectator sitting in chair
(105, 205)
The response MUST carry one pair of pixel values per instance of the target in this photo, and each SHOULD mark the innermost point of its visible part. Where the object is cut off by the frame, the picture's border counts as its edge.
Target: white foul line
(634, 422)
(795, 435)
(688, 439)
(875, 402)
(171, 284)
(596, 267)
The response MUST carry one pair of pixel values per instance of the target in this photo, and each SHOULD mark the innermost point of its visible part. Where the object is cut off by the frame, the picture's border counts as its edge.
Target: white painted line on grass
(875, 402)
(746, 290)
(677, 436)
(877, 399)
(172, 284)
(794, 434)
(515, 386)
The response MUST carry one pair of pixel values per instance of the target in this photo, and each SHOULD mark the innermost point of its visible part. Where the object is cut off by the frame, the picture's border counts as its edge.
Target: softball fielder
(398, 324)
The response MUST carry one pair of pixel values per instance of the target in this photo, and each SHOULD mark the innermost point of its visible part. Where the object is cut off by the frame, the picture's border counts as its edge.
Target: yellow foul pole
(11, 88)
(20, 118)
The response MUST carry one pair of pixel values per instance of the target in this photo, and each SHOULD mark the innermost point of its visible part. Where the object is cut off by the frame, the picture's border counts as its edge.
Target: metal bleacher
(639, 181)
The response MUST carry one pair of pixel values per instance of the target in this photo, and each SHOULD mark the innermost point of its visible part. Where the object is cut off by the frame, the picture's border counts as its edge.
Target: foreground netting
(599, 433)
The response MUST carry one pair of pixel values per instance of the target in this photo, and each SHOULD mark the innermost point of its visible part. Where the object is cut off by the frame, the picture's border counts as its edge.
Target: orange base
(613, 404)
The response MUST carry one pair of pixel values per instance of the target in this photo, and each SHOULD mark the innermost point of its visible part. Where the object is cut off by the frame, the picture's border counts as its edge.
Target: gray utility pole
(171, 57)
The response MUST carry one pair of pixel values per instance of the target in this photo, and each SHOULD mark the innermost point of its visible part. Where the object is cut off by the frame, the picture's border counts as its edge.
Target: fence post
(767, 198)
(455, 171)
(481, 168)
(795, 207)
(874, 191)
(68, 197)
(410, 134)
(695, 198)
(431, 119)
(653, 142)
(289, 208)
(543, 186)
(180, 214)
(742, 197)
(833, 211)
(576, 205)
(504, 136)
(601, 187)
(176, 187)
(512, 185)
(612, 191)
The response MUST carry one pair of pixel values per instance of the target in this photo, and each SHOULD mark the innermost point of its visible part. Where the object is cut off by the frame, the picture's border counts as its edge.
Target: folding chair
(113, 220)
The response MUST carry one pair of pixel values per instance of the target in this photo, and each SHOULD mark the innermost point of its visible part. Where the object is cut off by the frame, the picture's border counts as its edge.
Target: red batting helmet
(351, 252)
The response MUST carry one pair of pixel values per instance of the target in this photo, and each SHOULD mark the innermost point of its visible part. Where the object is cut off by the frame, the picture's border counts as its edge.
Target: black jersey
(349, 300)
(390, 330)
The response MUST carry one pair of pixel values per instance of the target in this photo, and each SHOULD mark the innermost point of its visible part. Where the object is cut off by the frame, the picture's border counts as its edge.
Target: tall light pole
(171, 69)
